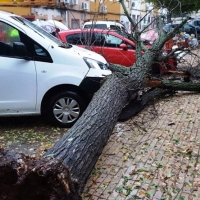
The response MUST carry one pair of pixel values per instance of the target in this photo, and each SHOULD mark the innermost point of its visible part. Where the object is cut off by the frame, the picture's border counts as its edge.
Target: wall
(77, 15)
(17, 10)
(50, 13)
(113, 10)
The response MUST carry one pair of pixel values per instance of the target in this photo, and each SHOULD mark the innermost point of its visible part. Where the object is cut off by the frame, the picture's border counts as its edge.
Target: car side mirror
(20, 50)
(123, 46)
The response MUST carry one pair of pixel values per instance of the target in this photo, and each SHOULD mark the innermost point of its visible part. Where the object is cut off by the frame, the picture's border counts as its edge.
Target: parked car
(42, 75)
(111, 25)
(114, 47)
(195, 22)
(50, 25)
(188, 28)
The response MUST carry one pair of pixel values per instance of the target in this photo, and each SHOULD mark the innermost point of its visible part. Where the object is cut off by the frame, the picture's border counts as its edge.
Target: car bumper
(90, 85)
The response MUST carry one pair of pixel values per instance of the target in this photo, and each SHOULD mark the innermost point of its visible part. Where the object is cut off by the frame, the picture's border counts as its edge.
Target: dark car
(188, 28)
(196, 23)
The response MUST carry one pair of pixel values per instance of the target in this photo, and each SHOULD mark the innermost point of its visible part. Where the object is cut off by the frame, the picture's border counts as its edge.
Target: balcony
(27, 2)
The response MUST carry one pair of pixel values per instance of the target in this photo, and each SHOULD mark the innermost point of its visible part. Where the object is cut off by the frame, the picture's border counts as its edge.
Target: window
(112, 41)
(114, 27)
(134, 18)
(34, 49)
(75, 23)
(98, 39)
(197, 23)
(10, 35)
(39, 51)
(129, 46)
(74, 39)
(100, 26)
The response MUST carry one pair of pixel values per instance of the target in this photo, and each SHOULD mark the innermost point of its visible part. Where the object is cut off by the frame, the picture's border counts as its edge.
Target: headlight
(95, 64)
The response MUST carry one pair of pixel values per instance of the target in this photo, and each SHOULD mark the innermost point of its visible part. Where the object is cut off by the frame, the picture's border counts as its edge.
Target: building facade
(73, 13)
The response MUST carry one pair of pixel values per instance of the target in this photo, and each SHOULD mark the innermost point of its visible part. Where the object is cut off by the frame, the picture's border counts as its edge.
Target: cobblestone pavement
(153, 156)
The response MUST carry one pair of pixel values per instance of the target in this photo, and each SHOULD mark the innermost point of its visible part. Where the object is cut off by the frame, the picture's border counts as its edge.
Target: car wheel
(65, 108)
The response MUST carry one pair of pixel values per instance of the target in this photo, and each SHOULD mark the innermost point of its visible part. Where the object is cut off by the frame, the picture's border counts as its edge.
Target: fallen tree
(63, 170)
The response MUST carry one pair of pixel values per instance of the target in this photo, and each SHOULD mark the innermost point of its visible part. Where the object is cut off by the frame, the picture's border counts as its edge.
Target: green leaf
(148, 195)
(169, 175)
(181, 197)
(119, 189)
(137, 187)
(9, 143)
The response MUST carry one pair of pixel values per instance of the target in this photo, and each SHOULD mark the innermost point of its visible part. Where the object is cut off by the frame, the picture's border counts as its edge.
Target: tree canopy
(177, 6)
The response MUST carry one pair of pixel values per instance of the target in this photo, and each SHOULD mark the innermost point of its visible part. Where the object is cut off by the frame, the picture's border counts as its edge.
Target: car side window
(197, 23)
(98, 39)
(115, 27)
(112, 41)
(8, 35)
(74, 39)
(39, 51)
(35, 50)
(192, 28)
(129, 46)
(87, 38)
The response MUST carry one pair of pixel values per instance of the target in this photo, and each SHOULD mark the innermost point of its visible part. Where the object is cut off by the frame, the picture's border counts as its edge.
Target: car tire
(65, 108)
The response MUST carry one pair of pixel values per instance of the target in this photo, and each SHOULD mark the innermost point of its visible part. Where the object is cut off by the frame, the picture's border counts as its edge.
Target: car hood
(87, 53)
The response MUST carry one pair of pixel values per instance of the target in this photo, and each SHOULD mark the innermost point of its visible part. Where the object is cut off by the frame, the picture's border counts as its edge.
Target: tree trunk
(81, 147)
(136, 105)
(22, 178)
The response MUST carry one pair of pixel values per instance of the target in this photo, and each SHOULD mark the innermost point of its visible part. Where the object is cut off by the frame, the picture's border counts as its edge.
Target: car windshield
(39, 30)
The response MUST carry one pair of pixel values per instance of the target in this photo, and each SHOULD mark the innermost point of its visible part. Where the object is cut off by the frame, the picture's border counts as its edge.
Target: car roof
(91, 30)
(103, 22)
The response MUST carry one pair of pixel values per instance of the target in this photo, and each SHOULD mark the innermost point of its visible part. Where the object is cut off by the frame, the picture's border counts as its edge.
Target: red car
(115, 48)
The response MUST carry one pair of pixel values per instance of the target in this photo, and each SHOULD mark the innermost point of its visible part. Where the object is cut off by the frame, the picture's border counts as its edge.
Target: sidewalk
(154, 156)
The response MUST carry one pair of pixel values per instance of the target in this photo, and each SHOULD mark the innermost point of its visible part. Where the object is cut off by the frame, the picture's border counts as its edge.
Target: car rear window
(100, 26)
(114, 27)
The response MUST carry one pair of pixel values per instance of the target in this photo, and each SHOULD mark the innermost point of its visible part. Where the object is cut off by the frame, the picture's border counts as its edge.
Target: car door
(17, 77)
(109, 46)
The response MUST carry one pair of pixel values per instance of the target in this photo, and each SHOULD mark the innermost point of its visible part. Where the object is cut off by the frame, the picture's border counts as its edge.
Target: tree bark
(81, 147)
(22, 178)
(138, 104)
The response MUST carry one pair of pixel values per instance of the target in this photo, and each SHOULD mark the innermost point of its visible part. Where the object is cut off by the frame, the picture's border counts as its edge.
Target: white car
(104, 25)
(41, 75)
